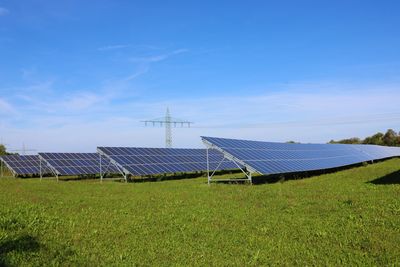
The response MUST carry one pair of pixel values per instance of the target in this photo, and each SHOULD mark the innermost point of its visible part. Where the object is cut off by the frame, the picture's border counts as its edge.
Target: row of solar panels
(221, 154)
(272, 158)
(134, 161)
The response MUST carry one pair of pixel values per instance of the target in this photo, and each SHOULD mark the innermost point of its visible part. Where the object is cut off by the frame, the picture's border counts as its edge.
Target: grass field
(351, 217)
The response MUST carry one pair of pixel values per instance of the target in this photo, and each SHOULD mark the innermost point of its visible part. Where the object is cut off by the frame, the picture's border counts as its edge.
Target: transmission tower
(168, 122)
(23, 150)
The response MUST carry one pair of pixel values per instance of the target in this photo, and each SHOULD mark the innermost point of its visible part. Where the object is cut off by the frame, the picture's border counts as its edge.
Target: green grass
(334, 219)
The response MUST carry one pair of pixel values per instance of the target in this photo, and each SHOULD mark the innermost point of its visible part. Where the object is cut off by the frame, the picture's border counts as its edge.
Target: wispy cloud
(66, 104)
(84, 100)
(33, 93)
(112, 47)
(158, 58)
(4, 11)
(6, 107)
(144, 63)
(142, 70)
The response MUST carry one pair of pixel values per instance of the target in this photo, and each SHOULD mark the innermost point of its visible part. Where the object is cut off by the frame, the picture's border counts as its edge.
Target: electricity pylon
(23, 150)
(168, 121)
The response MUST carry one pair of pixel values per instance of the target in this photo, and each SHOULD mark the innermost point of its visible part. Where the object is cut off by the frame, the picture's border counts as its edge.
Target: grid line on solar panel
(147, 161)
(268, 157)
(296, 159)
(77, 163)
(121, 151)
(24, 164)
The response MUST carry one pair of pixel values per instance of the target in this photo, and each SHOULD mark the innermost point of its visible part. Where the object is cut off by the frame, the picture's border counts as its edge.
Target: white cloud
(6, 107)
(158, 58)
(146, 62)
(142, 70)
(113, 47)
(68, 104)
(46, 98)
(82, 101)
(4, 11)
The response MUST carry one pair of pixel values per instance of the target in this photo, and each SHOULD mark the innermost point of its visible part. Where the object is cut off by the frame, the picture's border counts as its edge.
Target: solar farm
(199, 133)
(233, 203)
(250, 157)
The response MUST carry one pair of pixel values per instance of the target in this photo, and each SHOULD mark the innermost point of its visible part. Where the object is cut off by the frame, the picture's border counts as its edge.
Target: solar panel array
(24, 164)
(272, 158)
(256, 156)
(77, 163)
(147, 161)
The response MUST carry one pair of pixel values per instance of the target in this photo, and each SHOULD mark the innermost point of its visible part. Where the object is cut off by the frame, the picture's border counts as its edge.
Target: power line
(309, 123)
(23, 149)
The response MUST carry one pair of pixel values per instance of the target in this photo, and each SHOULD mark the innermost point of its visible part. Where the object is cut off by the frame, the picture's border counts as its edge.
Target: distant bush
(354, 140)
(390, 138)
(3, 150)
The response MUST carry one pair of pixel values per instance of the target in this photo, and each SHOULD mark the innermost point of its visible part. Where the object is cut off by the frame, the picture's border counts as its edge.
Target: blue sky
(79, 74)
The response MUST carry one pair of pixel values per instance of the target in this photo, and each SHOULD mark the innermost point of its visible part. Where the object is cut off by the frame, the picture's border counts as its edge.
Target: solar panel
(375, 152)
(147, 161)
(24, 164)
(272, 158)
(77, 163)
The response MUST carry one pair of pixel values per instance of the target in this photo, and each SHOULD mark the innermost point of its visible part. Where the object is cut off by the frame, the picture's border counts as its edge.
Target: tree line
(3, 150)
(390, 138)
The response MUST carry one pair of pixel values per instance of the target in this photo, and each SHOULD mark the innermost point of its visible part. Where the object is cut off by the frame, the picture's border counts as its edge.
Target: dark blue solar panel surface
(147, 161)
(77, 163)
(378, 152)
(271, 158)
(24, 164)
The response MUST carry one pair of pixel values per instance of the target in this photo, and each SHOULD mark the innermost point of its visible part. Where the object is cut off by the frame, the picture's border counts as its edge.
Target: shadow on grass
(88, 177)
(77, 178)
(178, 176)
(391, 178)
(280, 178)
(25, 243)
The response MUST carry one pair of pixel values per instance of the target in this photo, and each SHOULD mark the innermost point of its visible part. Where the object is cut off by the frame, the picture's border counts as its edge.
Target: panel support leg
(247, 173)
(40, 169)
(101, 171)
(208, 169)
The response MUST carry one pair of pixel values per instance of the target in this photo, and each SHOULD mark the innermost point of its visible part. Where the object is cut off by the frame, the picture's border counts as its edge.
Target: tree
(3, 150)
(376, 139)
(390, 138)
(353, 140)
(398, 139)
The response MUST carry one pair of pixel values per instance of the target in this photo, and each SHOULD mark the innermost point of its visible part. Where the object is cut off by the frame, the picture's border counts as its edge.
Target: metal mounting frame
(57, 174)
(121, 169)
(48, 165)
(248, 171)
(4, 163)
